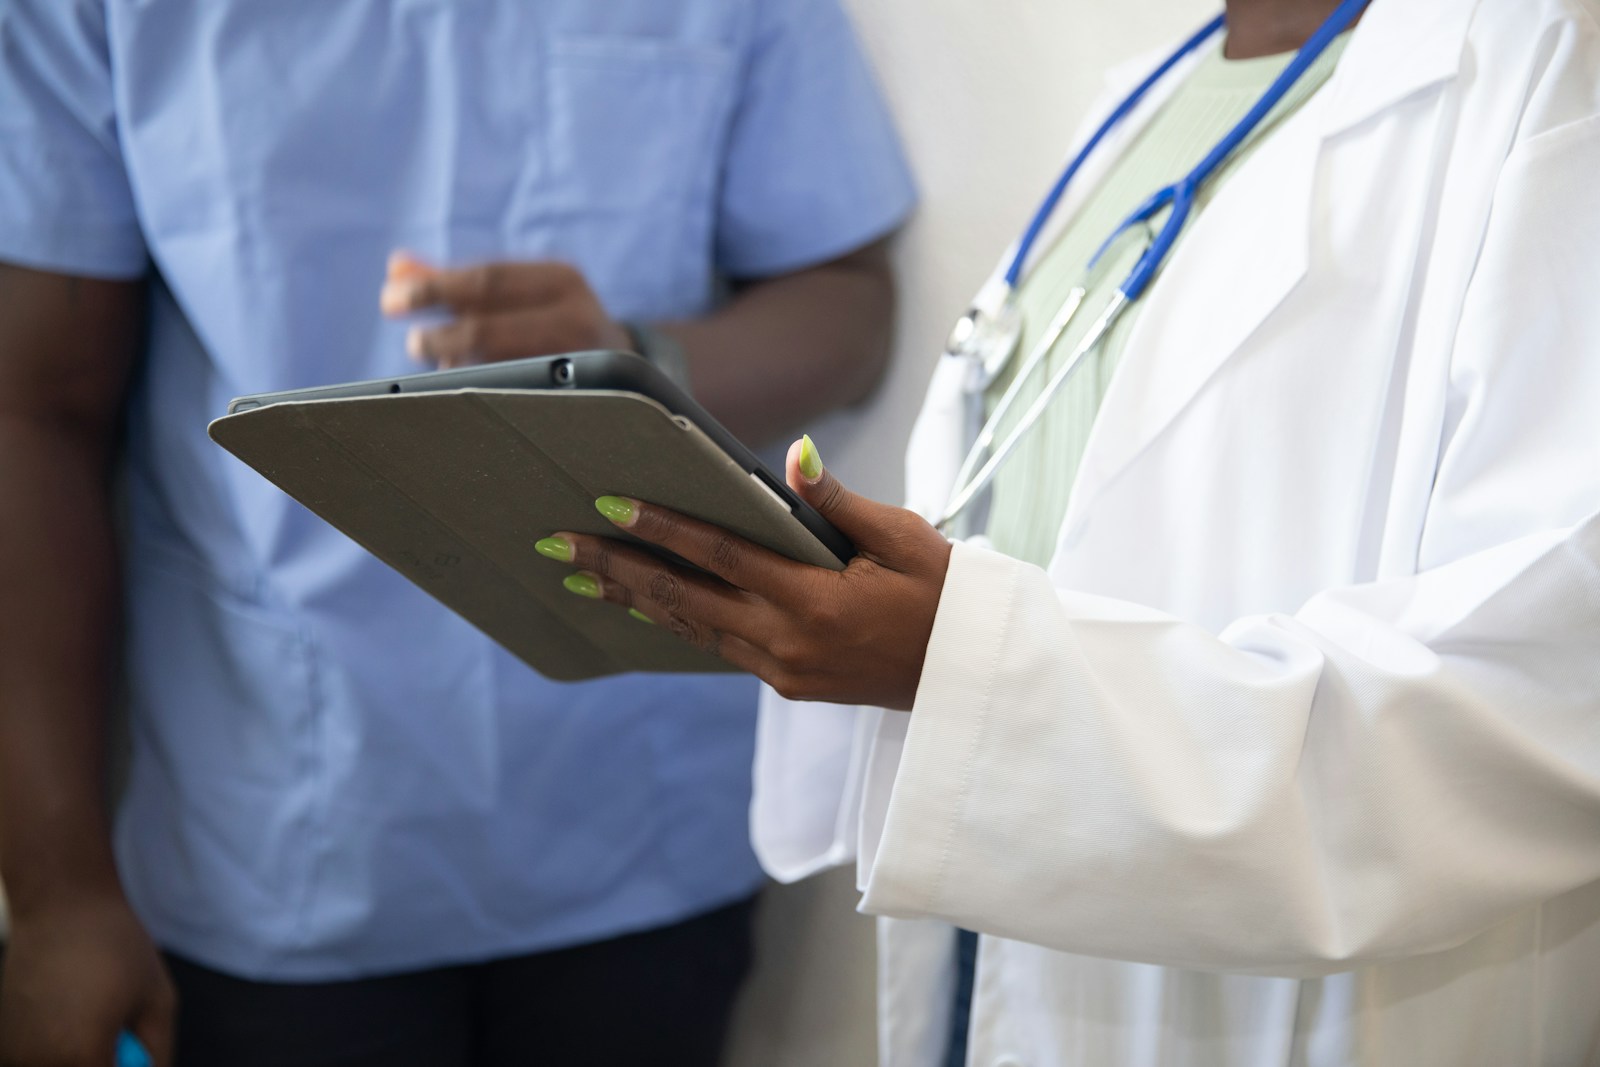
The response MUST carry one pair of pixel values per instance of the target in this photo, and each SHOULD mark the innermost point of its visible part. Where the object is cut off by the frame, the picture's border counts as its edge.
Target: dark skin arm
(782, 351)
(79, 966)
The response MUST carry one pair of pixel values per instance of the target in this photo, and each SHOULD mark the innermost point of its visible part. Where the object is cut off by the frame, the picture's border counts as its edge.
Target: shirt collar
(1399, 49)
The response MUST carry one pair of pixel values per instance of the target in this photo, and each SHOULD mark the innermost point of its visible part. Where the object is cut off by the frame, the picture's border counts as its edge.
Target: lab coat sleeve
(809, 772)
(814, 762)
(1386, 772)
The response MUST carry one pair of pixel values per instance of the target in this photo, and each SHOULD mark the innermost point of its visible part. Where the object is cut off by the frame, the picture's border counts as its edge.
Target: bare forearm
(786, 350)
(66, 347)
(58, 611)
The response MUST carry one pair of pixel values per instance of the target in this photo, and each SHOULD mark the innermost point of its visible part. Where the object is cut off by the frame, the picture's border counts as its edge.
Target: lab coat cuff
(810, 760)
(905, 860)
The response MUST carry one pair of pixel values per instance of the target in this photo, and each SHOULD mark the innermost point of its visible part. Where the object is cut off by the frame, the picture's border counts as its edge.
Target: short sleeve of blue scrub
(332, 775)
(783, 165)
(64, 197)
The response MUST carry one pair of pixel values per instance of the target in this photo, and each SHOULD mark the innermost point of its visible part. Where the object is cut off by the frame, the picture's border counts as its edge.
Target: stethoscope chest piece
(987, 339)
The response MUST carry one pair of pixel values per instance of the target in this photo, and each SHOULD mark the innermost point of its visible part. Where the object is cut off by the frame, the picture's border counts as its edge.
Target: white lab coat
(1292, 755)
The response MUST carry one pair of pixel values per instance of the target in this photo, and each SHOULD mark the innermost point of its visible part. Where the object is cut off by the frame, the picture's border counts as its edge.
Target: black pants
(661, 997)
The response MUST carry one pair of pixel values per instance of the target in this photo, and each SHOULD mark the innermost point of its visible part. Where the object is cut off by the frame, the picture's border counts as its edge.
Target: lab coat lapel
(1399, 49)
(1249, 248)
(1240, 258)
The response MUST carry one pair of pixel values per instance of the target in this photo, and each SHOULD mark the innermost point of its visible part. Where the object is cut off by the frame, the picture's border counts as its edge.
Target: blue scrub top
(332, 775)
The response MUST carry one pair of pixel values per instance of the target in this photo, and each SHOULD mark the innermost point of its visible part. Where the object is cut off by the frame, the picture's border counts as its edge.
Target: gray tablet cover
(452, 489)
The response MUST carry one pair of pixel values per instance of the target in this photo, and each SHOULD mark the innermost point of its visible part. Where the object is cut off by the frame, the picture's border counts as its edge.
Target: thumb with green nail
(868, 524)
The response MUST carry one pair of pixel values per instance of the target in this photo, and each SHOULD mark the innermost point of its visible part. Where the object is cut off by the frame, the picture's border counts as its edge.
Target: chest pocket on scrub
(635, 130)
(634, 122)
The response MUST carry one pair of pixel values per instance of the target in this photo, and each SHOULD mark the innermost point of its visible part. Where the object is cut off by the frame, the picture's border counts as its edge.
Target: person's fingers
(401, 273)
(738, 562)
(156, 1024)
(484, 287)
(797, 684)
(403, 264)
(490, 338)
(884, 533)
(730, 647)
(629, 576)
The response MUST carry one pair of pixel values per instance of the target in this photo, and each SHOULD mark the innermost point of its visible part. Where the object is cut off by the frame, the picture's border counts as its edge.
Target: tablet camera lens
(561, 372)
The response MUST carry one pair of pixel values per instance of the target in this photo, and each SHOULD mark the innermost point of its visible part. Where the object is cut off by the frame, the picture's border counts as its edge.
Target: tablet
(606, 371)
(451, 477)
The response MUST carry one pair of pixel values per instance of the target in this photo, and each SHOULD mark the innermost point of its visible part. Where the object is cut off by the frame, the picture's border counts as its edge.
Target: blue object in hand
(130, 1053)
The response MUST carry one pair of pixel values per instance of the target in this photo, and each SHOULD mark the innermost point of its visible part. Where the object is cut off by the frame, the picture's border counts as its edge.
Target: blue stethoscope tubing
(1041, 217)
(1179, 196)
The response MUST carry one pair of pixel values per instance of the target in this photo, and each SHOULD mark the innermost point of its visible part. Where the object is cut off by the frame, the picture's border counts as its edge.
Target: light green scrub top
(1030, 493)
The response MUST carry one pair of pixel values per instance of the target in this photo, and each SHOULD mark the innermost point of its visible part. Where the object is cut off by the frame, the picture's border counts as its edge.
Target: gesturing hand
(856, 636)
(502, 311)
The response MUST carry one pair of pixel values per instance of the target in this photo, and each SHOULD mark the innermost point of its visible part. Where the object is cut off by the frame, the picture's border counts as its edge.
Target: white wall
(988, 93)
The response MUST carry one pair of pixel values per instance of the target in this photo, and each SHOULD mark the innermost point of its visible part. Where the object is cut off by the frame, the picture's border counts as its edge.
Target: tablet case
(452, 489)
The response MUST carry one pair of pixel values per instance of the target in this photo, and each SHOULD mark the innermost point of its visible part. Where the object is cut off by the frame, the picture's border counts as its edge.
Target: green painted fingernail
(810, 459)
(558, 548)
(583, 585)
(641, 616)
(618, 509)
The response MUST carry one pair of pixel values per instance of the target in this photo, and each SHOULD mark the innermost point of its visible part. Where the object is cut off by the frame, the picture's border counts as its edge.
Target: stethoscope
(990, 332)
